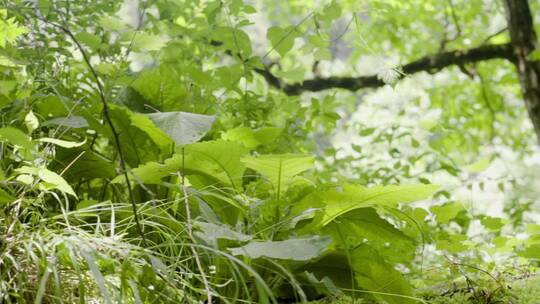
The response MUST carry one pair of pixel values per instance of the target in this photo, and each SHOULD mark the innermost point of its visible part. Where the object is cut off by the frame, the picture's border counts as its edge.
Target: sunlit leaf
(279, 169)
(62, 143)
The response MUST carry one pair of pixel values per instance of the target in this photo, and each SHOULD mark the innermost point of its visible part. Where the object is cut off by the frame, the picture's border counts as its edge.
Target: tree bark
(524, 41)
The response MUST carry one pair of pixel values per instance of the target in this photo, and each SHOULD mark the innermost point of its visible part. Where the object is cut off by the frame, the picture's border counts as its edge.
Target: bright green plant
(156, 157)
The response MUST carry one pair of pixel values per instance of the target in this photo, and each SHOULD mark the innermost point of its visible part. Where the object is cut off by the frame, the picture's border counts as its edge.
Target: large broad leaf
(279, 169)
(82, 164)
(340, 200)
(153, 172)
(138, 136)
(225, 154)
(292, 249)
(334, 266)
(218, 160)
(363, 268)
(373, 273)
(160, 87)
(184, 128)
(365, 225)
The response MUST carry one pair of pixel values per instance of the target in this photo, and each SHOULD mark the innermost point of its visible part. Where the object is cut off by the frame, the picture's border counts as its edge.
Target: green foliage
(279, 169)
(148, 158)
(291, 249)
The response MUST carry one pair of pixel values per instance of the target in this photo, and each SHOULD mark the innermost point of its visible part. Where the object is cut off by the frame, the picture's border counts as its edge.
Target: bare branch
(429, 63)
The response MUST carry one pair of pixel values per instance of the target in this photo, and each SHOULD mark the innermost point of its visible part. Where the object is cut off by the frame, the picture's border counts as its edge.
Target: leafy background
(157, 152)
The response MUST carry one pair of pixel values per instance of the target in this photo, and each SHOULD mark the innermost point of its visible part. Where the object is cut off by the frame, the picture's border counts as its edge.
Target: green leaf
(184, 128)
(26, 179)
(454, 243)
(153, 172)
(446, 212)
(493, 223)
(358, 197)
(324, 286)
(365, 225)
(373, 273)
(331, 12)
(159, 88)
(62, 143)
(140, 139)
(292, 75)
(280, 169)
(534, 55)
(225, 154)
(9, 29)
(479, 166)
(292, 249)
(44, 6)
(90, 40)
(335, 266)
(219, 160)
(56, 181)
(52, 106)
(531, 251)
(112, 23)
(5, 197)
(79, 163)
(31, 122)
(148, 42)
(234, 40)
(252, 138)
(282, 39)
(53, 180)
(367, 131)
(340, 200)
(16, 137)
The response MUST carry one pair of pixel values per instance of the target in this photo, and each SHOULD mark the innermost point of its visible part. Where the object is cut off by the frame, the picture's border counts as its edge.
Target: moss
(521, 291)
(524, 291)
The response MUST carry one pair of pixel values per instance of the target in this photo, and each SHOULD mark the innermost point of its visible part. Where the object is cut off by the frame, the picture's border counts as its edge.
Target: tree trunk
(524, 41)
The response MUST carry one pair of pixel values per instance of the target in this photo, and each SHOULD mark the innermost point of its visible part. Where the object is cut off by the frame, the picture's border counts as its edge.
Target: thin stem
(107, 116)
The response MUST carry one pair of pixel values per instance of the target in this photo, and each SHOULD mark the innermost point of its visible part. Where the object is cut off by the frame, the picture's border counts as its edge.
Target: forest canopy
(254, 151)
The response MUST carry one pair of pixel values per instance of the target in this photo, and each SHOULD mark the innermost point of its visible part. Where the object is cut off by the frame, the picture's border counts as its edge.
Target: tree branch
(429, 63)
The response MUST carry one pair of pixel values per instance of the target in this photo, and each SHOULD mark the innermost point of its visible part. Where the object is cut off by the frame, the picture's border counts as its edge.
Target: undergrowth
(147, 164)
